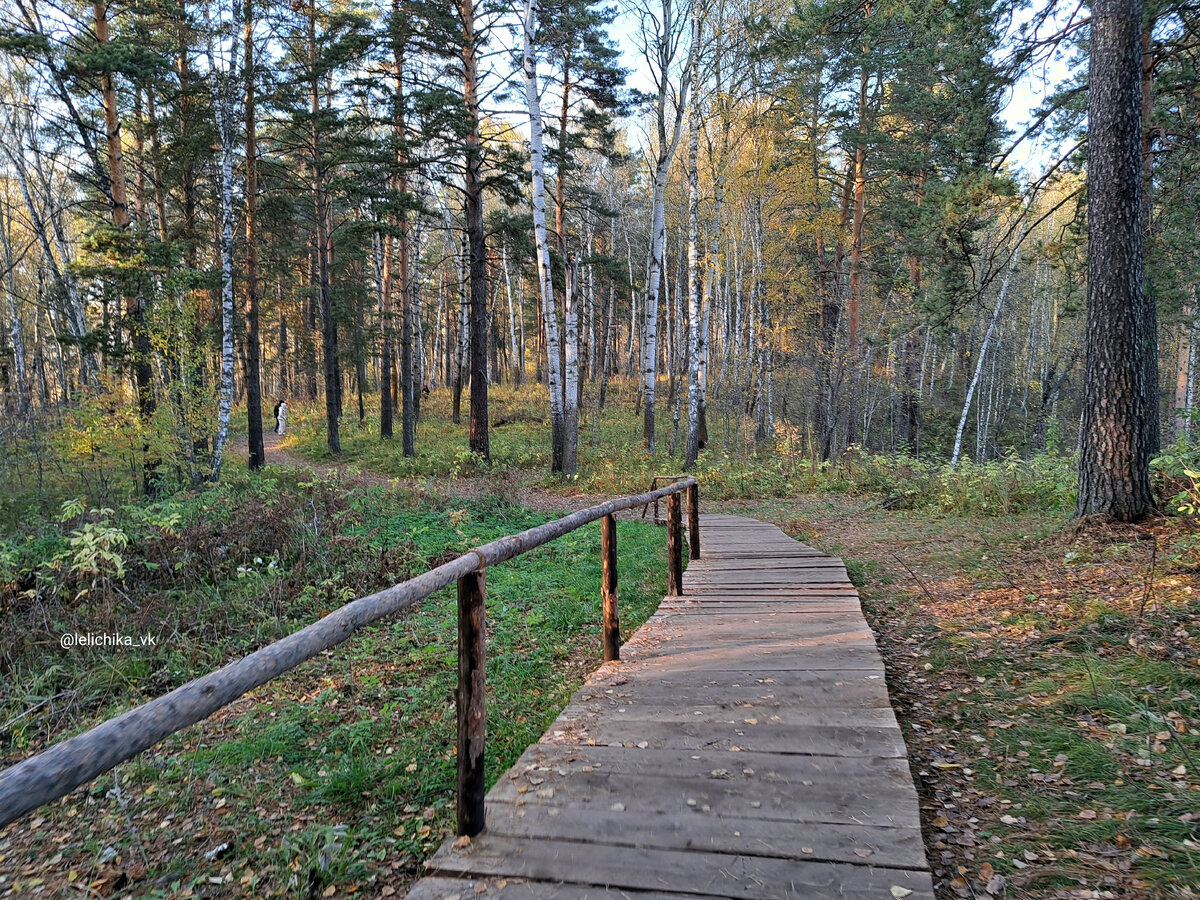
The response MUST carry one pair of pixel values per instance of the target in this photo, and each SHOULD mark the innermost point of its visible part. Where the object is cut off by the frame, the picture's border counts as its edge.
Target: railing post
(674, 545)
(608, 588)
(472, 713)
(693, 493)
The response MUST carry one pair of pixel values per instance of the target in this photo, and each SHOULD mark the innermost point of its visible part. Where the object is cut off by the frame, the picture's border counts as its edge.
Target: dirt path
(513, 485)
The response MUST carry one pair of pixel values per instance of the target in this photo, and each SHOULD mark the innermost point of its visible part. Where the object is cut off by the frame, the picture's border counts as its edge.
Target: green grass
(341, 771)
(613, 460)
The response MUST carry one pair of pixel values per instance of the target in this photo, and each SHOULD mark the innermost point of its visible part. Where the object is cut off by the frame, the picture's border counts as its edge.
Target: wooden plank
(899, 846)
(743, 877)
(813, 689)
(724, 606)
(833, 659)
(511, 889)
(820, 740)
(862, 791)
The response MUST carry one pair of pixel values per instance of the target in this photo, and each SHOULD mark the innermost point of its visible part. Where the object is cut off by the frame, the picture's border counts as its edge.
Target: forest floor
(1046, 675)
(1048, 679)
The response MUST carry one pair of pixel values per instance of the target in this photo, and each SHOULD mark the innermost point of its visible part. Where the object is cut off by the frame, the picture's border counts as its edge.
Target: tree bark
(223, 112)
(692, 449)
(1114, 476)
(258, 456)
(545, 283)
(135, 310)
(329, 335)
(473, 187)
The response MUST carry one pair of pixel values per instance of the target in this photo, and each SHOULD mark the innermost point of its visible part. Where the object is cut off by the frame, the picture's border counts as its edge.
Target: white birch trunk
(514, 350)
(570, 466)
(661, 55)
(545, 285)
(222, 110)
(987, 339)
(694, 322)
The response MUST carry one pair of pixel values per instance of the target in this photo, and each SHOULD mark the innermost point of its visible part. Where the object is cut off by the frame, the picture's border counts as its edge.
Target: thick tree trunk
(1152, 426)
(387, 348)
(1114, 476)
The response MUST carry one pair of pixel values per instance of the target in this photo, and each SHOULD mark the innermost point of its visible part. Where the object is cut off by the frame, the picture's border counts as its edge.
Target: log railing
(57, 771)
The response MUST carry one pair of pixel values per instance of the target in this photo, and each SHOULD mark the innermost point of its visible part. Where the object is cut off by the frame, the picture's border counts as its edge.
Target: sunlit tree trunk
(223, 111)
(694, 323)
(135, 311)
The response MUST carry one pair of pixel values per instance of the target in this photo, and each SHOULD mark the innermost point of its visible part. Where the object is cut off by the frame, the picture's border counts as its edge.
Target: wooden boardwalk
(743, 747)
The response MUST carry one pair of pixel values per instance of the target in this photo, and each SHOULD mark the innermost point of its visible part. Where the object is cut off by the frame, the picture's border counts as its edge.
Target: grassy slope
(338, 776)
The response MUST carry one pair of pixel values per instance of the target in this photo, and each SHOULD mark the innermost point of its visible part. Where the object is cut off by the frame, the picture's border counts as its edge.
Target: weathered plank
(808, 688)
(741, 876)
(511, 889)
(743, 747)
(898, 846)
(864, 791)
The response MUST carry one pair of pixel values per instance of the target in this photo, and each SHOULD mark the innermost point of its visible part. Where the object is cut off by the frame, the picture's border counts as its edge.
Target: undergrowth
(334, 776)
(613, 460)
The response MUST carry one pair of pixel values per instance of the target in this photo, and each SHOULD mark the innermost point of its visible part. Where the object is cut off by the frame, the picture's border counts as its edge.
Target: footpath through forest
(743, 747)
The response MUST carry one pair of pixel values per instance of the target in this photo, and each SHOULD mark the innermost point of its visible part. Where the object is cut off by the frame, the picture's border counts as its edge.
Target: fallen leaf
(900, 892)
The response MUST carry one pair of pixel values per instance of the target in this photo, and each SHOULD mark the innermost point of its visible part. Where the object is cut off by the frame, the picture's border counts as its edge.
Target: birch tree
(224, 77)
(537, 162)
(694, 276)
(660, 33)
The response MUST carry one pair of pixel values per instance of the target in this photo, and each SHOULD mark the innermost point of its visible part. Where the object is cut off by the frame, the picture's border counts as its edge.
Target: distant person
(280, 417)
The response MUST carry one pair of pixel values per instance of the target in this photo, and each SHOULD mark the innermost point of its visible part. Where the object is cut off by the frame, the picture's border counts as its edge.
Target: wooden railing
(57, 771)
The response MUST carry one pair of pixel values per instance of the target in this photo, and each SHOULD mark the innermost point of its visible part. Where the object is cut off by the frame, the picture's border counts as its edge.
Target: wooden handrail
(58, 770)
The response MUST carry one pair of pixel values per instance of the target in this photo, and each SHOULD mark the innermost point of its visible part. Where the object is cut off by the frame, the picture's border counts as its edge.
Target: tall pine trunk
(253, 336)
(133, 301)
(1114, 474)
(321, 212)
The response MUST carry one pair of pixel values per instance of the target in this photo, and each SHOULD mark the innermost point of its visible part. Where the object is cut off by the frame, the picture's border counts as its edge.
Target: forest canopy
(830, 222)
